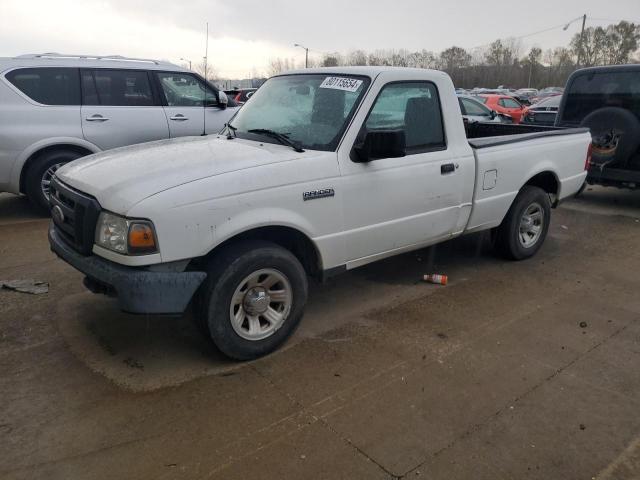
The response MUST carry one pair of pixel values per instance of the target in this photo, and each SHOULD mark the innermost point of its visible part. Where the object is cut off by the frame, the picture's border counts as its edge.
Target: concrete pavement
(513, 370)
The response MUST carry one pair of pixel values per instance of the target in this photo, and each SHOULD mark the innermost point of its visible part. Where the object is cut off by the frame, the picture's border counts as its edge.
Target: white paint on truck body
(201, 192)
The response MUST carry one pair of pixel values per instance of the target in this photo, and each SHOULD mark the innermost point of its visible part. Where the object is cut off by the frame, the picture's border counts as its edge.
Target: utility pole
(584, 19)
(581, 45)
(306, 54)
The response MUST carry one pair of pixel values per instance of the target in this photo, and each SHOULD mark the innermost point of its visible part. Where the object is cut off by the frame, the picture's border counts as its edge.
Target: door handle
(447, 168)
(178, 118)
(96, 118)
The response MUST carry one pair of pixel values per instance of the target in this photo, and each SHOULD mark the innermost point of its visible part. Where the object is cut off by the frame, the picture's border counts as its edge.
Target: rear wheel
(524, 228)
(253, 298)
(39, 174)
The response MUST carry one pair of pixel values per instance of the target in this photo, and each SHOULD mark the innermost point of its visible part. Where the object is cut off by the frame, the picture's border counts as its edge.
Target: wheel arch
(30, 155)
(292, 239)
(548, 181)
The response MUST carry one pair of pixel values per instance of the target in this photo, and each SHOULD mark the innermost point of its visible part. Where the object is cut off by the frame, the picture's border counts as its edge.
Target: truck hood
(123, 177)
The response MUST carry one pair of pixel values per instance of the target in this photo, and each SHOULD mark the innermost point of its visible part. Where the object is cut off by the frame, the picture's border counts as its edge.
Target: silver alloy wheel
(531, 225)
(45, 182)
(261, 304)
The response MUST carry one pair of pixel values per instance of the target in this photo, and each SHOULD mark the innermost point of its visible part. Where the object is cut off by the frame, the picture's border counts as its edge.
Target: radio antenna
(206, 84)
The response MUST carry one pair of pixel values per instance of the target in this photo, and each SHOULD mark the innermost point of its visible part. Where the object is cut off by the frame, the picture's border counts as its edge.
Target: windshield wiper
(283, 138)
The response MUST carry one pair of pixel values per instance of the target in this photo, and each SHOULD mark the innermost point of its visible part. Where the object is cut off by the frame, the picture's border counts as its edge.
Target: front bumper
(138, 291)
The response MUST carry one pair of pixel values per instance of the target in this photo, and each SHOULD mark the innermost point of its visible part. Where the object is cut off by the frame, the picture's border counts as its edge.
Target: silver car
(475, 111)
(56, 108)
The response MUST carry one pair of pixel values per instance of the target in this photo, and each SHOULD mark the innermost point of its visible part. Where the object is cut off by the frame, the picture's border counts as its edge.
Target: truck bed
(484, 135)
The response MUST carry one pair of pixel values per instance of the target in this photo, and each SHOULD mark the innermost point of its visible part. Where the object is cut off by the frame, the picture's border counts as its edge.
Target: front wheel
(253, 298)
(38, 176)
(524, 228)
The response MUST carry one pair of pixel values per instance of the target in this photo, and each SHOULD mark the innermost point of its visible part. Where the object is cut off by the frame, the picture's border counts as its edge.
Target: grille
(77, 224)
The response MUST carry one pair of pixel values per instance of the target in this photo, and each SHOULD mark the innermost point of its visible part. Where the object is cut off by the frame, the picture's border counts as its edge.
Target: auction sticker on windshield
(341, 83)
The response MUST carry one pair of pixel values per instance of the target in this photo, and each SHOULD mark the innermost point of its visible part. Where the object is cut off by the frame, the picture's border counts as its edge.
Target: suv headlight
(124, 235)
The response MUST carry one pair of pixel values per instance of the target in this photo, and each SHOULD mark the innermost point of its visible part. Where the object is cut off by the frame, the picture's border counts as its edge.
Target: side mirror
(380, 144)
(223, 100)
(493, 114)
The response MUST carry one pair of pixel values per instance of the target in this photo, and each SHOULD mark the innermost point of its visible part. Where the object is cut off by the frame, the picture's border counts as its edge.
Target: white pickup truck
(323, 170)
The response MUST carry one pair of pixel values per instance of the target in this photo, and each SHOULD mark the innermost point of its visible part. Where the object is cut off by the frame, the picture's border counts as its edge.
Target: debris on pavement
(564, 227)
(34, 287)
(436, 278)
(583, 324)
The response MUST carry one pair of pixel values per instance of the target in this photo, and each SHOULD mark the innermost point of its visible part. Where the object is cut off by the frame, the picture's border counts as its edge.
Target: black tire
(602, 122)
(36, 171)
(508, 241)
(226, 272)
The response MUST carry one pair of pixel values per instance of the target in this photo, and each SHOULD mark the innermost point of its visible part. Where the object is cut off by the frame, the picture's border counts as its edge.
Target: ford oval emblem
(57, 214)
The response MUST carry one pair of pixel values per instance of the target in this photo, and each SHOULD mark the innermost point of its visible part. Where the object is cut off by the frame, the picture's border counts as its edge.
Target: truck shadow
(146, 353)
(607, 201)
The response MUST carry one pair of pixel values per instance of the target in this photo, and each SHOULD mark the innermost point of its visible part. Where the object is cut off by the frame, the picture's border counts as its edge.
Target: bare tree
(332, 60)
(206, 70)
(279, 65)
(357, 58)
(454, 57)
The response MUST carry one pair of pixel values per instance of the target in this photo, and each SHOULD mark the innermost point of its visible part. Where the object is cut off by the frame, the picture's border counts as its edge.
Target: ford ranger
(322, 171)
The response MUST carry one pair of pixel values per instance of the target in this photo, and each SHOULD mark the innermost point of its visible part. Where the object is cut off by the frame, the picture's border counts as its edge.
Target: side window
(413, 107)
(49, 86)
(185, 90)
(462, 109)
(509, 103)
(120, 88)
(474, 108)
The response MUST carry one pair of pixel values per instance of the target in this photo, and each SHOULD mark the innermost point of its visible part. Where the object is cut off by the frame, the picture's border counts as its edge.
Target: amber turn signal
(141, 238)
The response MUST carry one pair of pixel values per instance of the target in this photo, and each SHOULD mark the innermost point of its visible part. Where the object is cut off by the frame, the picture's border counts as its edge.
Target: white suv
(56, 108)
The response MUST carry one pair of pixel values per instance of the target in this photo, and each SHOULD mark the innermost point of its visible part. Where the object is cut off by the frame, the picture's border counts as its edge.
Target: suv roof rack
(117, 58)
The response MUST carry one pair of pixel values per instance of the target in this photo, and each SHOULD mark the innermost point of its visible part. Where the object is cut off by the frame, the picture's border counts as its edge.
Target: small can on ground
(436, 278)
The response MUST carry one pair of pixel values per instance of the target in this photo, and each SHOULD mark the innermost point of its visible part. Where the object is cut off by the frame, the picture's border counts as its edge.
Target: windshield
(311, 110)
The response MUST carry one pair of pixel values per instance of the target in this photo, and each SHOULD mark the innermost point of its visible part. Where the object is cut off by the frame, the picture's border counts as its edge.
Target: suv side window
(47, 85)
(413, 107)
(120, 88)
(185, 90)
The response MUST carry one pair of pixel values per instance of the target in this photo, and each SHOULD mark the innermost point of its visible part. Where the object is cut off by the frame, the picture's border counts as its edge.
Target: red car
(504, 104)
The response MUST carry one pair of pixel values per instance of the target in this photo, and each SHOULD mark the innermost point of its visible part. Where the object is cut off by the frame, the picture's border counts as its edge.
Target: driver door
(184, 94)
(391, 204)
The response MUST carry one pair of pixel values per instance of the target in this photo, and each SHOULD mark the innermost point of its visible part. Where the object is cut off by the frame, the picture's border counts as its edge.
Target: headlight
(125, 236)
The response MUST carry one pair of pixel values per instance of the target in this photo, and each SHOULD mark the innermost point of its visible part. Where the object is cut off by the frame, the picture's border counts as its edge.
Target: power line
(562, 25)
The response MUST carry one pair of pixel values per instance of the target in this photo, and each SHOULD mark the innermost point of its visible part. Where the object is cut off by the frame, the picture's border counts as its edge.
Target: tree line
(503, 62)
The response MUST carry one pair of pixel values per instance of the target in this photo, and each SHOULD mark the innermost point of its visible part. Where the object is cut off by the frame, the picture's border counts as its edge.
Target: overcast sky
(245, 34)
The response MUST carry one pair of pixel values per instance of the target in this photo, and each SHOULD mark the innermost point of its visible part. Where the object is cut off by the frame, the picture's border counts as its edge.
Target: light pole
(306, 54)
(186, 60)
(581, 46)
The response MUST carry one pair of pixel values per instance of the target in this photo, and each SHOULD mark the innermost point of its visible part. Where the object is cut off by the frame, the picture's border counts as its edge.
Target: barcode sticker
(341, 83)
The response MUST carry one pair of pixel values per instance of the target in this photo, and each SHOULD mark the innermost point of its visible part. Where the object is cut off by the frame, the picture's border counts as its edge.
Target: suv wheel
(253, 298)
(38, 176)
